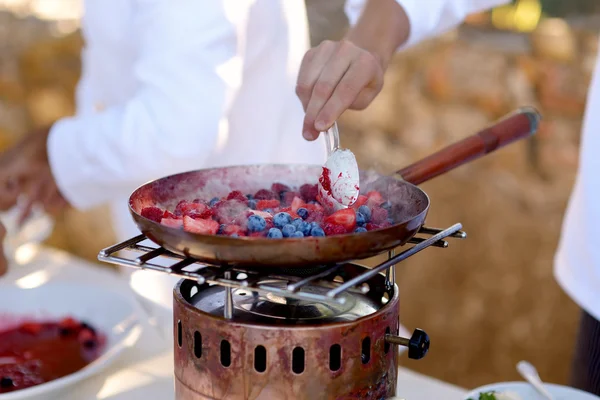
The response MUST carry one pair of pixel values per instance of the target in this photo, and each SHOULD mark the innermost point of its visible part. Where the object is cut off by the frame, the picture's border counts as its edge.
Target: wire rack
(234, 277)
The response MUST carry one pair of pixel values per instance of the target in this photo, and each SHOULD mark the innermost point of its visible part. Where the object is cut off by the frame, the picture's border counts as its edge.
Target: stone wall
(486, 302)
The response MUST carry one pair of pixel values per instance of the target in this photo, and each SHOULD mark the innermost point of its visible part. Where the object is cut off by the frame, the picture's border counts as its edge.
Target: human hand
(24, 170)
(334, 77)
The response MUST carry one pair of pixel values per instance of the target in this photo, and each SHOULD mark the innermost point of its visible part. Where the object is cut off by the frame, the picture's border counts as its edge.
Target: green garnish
(485, 396)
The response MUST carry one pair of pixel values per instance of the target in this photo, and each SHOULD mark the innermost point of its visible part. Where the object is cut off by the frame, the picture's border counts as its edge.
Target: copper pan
(410, 203)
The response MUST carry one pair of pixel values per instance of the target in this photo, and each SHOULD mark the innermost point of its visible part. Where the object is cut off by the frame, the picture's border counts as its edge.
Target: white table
(144, 371)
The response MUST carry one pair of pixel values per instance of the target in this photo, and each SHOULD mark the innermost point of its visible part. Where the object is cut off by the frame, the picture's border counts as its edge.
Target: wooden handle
(516, 125)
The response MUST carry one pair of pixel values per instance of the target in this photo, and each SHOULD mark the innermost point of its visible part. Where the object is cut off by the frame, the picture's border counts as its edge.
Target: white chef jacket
(577, 261)
(170, 86)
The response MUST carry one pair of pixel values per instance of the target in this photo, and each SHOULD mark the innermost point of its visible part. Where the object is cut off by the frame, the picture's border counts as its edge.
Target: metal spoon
(528, 371)
(339, 182)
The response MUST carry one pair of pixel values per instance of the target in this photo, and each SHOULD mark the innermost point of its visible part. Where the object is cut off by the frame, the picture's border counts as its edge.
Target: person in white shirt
(168, 88)
(348, 74)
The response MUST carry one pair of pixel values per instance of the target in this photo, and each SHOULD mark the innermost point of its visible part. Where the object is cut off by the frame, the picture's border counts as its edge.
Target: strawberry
(297, 203)
(315, 216)
(288, 197)
(361, 201)
(237, 195)
(334, 229)
(378, 215)
(279, 187)
(264, 204)
(345, 217)
(309, 192)
(172, 222)
(263, 214)
(201, 226)
(185, 208)
(168, 214)
(264, 194)
(233, 229)
(31, 327)
(375, 198)
(152, 213)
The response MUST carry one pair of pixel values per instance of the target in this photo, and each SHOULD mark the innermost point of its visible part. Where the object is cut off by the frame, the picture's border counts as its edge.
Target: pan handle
(516, 125)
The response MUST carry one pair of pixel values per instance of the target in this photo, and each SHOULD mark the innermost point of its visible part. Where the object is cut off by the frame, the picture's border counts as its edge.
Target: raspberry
(264, 194)
(280, 187)
(371, 226)
(288, 197)
(315, 216)
(379, 215)
(152, 213)
(309, 192)
(265, 204)
(237, 195)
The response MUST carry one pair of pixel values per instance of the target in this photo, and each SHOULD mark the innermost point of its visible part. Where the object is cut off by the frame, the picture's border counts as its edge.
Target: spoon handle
(530, 374)
(332, 138)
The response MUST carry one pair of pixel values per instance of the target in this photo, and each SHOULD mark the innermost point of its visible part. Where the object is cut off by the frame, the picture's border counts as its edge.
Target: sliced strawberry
(31, 327)
(297, 203)
(201, 226)
(379, 215)
(361, 201)
(345, 217)
(334, 229)
(264, 194)
(153, 213)
(172, 222)
(288, 197)
(237, 195)
(375, 198)
(309, 192)
(264, 204)
(233, 229)
(279, 187)
(168, 214)
(186, 208)
(263, 214)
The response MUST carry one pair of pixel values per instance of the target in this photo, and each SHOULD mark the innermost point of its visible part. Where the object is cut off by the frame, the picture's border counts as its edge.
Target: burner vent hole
(197, 344)
(260, 359)
(366, 350)
(193, 291)
(386, 346)
(385, 298)
(179, 334)
(298, 360)
(338, 279)
(335, 357)
(225, 353)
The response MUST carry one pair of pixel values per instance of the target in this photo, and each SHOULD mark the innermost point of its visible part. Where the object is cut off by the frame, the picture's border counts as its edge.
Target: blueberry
(221, 229)
(256, 223)
(297, 234)
(252, 204)
(304, 227)
(366, 212)
(274, 233)
(281, 219)
(297, 222)
(288, 230)
(360, 229)
(360, 219)
(6, 382)
(249, 197)
(302, 212)
(213, 201)
(317, 231)
(386, 205)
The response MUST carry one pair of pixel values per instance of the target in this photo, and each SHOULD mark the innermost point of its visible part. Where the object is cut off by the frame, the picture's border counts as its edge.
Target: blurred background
(487, 302)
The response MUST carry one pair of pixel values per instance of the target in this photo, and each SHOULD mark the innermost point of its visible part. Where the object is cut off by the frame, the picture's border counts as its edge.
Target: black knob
(418, 345)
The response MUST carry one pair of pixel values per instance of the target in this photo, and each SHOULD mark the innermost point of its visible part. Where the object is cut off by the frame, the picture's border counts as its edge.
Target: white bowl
(527, 392)
(108, 311)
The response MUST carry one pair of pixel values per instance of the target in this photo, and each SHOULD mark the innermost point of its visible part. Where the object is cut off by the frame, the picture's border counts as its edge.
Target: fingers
(356, 90)
(34, 195)
(312, 64)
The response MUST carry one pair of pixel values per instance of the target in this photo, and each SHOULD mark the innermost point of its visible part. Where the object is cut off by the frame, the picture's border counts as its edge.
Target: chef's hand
(3, 262)
(334, 77)
(24, 170)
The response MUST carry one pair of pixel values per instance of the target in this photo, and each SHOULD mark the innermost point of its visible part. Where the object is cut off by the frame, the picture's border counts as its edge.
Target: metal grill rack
(234, 277)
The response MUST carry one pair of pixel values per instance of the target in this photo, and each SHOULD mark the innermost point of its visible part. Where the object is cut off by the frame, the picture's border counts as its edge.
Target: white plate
(526, 392)
(110, 312)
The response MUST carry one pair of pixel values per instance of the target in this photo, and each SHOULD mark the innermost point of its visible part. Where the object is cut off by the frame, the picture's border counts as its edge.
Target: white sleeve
(429, 17)
(188, 72)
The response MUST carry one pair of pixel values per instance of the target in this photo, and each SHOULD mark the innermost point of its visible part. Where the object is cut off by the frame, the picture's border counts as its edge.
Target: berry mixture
(33, 353)
(275, 213)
